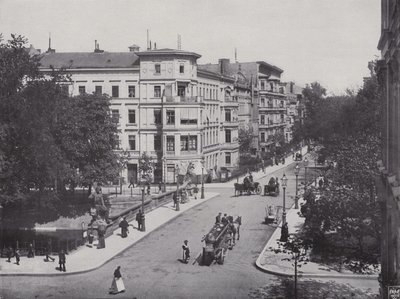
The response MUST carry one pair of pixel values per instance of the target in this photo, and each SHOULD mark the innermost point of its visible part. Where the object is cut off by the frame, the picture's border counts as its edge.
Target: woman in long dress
(117, 285)
(124, 227)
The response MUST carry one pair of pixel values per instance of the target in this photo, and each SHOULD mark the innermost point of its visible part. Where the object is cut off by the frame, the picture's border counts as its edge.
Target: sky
(329, 41)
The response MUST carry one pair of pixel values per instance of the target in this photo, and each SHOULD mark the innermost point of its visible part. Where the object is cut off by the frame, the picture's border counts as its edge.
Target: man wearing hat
(186, 251)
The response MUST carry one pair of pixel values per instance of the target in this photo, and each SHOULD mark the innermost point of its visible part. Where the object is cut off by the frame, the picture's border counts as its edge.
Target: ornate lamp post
(296, 198)
(165, 174)
(284, 184)
(284, 230)
(177, 188)
(305, 173)
(142, 215)
(202, 178)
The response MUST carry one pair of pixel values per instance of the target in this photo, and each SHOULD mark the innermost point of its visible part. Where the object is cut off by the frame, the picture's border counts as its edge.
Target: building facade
(164, 106)
(261, 96)
(389, 182)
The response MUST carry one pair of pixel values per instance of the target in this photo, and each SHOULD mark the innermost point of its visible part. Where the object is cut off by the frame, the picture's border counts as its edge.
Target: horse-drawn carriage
(298, 157)
(248, 187)
(221, 237)
(272, 188)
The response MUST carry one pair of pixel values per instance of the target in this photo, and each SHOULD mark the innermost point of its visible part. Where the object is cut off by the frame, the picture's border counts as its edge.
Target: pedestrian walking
(175, 198)
(17, 256)
(117, 285)
(48, 251)
(139, 219)
(31, 251)
(101, 232)
(186, 251)
(9, 254)
(159, 187)
(131, 182)
(148, 188)
(124, 225)
(62, 260)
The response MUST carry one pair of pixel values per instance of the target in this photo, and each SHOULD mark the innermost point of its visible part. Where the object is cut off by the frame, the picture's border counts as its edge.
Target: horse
(238, 188)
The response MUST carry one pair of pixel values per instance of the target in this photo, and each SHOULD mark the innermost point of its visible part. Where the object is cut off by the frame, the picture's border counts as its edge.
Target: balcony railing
(183, 99)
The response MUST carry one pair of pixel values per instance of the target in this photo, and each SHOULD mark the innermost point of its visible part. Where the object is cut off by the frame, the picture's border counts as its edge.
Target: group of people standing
(31, 254)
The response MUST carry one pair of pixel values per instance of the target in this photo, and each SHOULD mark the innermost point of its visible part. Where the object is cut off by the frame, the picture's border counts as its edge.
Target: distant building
(261, 97)
(295, 109)
(389, 77)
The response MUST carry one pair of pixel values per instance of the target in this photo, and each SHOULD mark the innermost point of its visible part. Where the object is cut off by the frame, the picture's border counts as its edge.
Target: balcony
(272, 108)
(229, 146)
(271, 125)
(183, 99)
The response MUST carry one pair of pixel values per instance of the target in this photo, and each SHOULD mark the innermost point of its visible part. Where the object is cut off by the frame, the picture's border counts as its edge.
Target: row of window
(188, 116)
(157, 68)
(188, 143)
(270, 122)
(263, 85)
(98, 89)
(270, 103)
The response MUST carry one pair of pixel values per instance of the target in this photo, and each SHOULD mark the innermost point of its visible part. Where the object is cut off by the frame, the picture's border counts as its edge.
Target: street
(151, 268)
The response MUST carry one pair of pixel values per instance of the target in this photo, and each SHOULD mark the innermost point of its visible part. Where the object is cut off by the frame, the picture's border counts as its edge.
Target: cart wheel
(258, 190)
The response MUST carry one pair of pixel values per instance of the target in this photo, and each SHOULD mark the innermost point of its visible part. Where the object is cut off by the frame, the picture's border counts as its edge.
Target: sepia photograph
(200, 149)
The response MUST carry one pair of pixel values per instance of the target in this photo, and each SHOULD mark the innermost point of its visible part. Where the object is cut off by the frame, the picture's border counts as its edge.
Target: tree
(146, 168)
(245, 138)
(87, 136)
(296, 248)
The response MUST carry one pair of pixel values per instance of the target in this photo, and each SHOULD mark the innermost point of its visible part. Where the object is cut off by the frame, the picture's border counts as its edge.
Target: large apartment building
(389, 79)
(164, 106)
(261, 96)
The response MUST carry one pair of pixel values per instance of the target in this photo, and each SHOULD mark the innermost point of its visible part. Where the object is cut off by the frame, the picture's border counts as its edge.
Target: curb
(109, 259)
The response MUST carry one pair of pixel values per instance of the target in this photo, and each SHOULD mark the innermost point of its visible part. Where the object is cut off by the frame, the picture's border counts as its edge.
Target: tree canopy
(348, 128)
(48, 139)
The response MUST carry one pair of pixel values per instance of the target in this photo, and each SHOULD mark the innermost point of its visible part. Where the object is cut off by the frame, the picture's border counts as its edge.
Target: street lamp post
(142, 215)
(305, 173)
(202, 178)
(177, 188)
(165, 174)
(296, 199)
(284, 230)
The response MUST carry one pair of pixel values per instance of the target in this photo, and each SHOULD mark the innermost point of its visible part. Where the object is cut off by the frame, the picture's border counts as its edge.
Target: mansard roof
(78, 60)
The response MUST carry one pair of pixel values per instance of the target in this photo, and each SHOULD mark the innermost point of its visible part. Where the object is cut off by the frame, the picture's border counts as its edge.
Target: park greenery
(343, 218)
(49, 141)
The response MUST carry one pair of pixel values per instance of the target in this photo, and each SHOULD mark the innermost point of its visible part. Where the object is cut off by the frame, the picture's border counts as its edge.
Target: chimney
(291, 87)
(223, 65)
(155, 46)
(50, 50)
(97, 47)
(134, 48)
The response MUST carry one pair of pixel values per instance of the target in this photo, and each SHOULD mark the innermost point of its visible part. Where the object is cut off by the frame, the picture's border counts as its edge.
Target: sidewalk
(86, 259)
(271, 262)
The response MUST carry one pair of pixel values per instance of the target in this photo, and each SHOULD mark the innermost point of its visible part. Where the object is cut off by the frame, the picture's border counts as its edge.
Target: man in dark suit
(62, 260)
(218, 219)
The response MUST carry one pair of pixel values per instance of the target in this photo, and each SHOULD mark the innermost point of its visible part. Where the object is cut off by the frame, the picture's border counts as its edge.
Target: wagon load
(216, 244)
